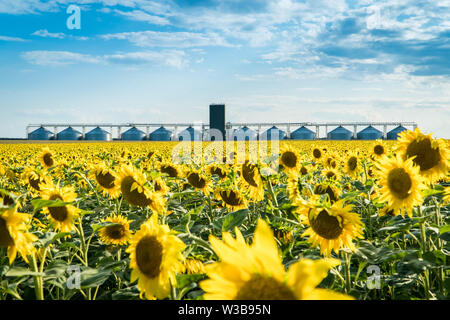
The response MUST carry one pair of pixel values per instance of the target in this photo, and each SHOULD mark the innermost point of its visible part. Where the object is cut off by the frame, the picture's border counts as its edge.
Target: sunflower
(61, 216)
(135, 192)
(400, 183)
(351, 165)
(317, 153)
(46, 158)
(255, 272)
(331, 174)
(160, 186)
(155, 258)
(379, 149)
(329, 161)
(294, 187)
(106, 179)
(289, 159)
(332, 227)
(431, 155)
(117, 233)
(14, 234)
(214, 169)
(232, 198)
(199, 181)
(251, 182)
(170, 169)
(193, 266)
(7, 198)
(446, 197)
(33, 179)
(329, 189)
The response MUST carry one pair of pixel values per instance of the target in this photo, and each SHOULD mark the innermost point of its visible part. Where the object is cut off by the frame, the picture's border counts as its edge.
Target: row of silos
(242, 134)
(98, 134)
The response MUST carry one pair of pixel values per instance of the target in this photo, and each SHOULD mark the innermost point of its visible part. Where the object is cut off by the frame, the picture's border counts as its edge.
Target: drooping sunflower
(47, 158)
(134, 190)
(7, 198)
(172, 170)
(231, 198)
(14, 234)
(218, 170)
(199, 181)
(400, 183)
(33, 179)
(351, 165)
(117, 233)
(431, 155)
(155, 258)
(333, 227)
(327, 188)
(106, 179)
(289, 159)
(255, 272)
(250, 181)
(62, 217)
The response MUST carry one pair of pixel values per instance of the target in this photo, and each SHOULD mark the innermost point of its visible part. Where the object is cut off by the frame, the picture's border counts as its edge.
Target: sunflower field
(365, 220)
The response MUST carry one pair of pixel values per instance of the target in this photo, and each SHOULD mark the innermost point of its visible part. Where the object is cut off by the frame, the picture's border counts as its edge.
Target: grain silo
(369, 133)
(190, 134)
(40, 134)
(161, 134)
(340, 133)
(393, 134)
(273, 133)
(133, 134)
(98, 134)
(69, 134)
(303, 133)
(245, 134)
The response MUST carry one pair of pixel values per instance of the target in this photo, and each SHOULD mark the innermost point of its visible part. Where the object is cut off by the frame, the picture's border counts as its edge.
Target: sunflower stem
(423, 238)
(348, 283)
(274, 197)
(38, 284)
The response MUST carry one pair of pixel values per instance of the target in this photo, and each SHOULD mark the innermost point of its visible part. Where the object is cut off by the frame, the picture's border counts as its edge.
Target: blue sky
(268, 61)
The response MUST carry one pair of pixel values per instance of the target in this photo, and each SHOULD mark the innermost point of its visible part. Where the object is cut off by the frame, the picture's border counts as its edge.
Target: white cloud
(45, 34)
(12, 39)
(173, 58)
(57, 58)
(139, 15)
(168, 39)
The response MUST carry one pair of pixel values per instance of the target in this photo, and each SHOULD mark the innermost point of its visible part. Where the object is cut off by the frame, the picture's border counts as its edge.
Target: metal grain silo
(161, 134)
(98, 134)
(369, 133)
(69, 134)
(303, 133)
(273, 133)
(190, 134)
(340, 133)
(133, 134)
(393, 134)
(40, 134)
(245, 134)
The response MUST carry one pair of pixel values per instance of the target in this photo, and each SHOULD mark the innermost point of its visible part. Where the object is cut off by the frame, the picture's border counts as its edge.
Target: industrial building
(218, 129)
